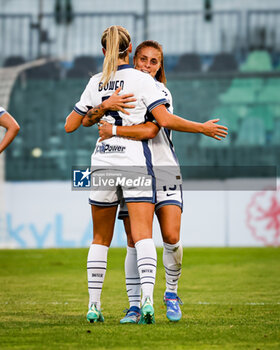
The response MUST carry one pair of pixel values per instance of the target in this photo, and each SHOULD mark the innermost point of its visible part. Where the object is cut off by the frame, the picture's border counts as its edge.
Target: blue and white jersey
(117, 150)
(2, 111)
(165, 162)
(130, 80)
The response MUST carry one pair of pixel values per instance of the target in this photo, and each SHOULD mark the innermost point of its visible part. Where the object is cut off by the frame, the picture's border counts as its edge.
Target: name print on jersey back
(140, 84)
(112, 85)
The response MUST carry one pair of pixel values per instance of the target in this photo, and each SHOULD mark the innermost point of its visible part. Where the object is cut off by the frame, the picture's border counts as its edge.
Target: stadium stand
(270, 92)
(275, 110)
(239, 95)
(224, 62)
(48, 102)
(50, 70)
(263, 112)
(257, 61)
(84, 66)
(189, 62)
(252, 133)
(215, 76)
(207, 142)
(252, 83)
(230, 116)
(252, 124)
(276, 134)
(12, 61)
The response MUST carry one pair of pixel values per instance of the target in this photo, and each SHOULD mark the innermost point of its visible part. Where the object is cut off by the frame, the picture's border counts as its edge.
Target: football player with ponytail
(131, 151)
(148, 58)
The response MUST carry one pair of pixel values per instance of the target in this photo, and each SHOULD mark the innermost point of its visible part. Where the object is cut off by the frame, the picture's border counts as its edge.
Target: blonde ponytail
(115, 40)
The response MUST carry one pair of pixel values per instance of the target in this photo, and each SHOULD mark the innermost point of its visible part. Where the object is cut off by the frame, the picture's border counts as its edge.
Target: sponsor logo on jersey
(81, 178)
(106, 148)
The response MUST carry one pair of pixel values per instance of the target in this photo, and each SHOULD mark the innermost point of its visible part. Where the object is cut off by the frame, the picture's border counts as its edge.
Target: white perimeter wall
(50, 214)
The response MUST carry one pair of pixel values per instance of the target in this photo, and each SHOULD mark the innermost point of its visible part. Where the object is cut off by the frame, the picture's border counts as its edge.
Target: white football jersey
(2, 110)
(165, 162)
(140, 84)
(116, 150)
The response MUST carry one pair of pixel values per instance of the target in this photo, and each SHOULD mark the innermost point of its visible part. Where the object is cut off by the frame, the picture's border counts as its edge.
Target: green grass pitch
(231, 301)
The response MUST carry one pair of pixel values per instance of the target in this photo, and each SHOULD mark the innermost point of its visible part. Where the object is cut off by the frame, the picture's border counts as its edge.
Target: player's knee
(171, 238)
(101, 241)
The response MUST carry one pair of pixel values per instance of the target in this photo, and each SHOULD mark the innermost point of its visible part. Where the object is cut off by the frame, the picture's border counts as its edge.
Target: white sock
(96, 270)
(147, 266)
(132, 278)
(172, 261)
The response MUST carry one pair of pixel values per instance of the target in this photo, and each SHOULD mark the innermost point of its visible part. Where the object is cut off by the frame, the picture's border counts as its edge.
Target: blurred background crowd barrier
(222, 60)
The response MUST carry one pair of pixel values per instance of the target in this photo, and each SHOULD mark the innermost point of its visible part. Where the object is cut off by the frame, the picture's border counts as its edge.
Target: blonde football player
(115, 153)
(149, 58)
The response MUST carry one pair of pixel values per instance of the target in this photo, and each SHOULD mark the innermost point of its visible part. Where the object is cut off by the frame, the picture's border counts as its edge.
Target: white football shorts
(171, 196)
(110, 187)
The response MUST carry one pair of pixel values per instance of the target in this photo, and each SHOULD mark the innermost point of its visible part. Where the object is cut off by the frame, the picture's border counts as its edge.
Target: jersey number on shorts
(114, 114)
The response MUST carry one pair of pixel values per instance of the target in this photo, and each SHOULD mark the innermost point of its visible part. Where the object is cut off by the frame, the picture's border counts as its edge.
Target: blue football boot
(172, 302)
(132, 315)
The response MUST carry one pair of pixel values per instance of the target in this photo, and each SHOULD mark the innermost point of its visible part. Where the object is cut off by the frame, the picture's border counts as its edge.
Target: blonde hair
(115, 40)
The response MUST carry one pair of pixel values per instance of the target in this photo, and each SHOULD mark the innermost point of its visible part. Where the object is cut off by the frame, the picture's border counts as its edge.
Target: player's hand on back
(212, 129)
(118, 102)
(105, 130)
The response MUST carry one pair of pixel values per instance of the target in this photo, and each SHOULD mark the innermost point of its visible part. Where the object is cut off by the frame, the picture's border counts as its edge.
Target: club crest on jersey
(106, 148)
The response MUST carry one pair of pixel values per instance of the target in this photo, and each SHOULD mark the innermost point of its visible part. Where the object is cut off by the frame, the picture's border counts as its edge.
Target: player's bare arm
(115, 102)
(94, 115)
(135, 132)
(12, 128)
(73, 121)
(173, 122)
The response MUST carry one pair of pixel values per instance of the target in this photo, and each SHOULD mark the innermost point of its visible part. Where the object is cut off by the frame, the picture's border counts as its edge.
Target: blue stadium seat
(230, 116)
(189, 62)
(13, 61)
(239, 95)
(224, 62)
(50, 70)
(209, 142)
(263, 112)
(254, 84)
(252, 133)
(257, 61)
(276, 134)
(270, 94)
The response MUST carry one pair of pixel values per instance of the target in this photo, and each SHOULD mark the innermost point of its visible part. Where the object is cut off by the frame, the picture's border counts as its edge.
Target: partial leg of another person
(141, 223)
(103, 228)
(169, 217)
(132, 278)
